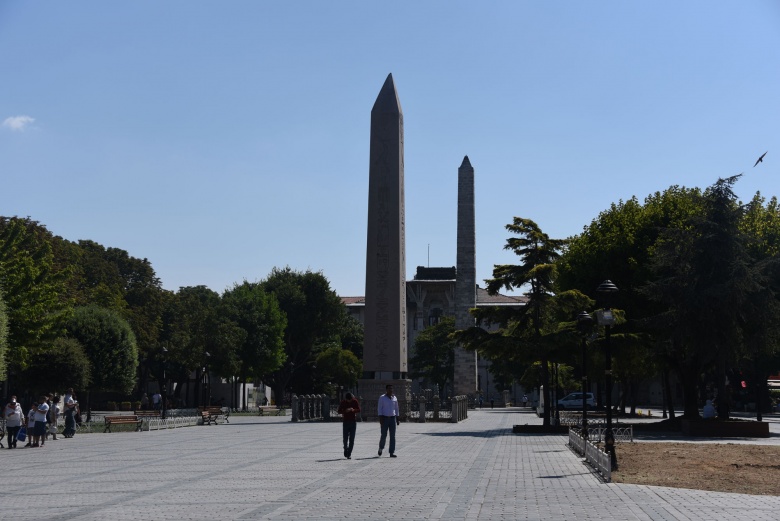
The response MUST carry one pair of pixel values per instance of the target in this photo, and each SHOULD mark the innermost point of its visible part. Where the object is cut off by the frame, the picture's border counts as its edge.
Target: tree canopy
(110, 346)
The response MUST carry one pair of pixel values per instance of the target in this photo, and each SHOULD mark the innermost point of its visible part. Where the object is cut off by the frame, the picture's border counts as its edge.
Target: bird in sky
(760, 159)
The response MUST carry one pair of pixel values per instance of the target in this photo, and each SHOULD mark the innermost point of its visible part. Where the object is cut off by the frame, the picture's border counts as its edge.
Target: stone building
(431, 296)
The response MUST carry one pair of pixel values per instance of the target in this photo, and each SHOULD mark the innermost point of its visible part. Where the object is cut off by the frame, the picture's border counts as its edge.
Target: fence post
(294, 406)
(326, 408)
(436, 407)
(422, 409)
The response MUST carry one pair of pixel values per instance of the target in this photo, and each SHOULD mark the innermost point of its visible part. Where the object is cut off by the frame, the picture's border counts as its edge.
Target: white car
(574, 401)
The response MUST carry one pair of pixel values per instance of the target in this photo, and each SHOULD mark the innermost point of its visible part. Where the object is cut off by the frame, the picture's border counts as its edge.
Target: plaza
(270, 468)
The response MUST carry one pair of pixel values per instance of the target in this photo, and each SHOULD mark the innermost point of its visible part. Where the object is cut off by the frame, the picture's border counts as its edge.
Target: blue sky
(221, 139)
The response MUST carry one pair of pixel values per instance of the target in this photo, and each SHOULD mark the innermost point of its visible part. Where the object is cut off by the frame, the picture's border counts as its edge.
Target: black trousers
(349, 429)
(12, 432)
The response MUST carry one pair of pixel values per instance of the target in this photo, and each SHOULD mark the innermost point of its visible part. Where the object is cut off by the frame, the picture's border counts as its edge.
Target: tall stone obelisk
(465, 381)
(384, 352)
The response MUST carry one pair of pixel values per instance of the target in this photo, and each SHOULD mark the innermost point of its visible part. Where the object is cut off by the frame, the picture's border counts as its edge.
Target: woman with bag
(14, 420)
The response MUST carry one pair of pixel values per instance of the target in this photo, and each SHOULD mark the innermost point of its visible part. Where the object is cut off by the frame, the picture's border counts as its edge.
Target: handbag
(52, 428)
(22, 434)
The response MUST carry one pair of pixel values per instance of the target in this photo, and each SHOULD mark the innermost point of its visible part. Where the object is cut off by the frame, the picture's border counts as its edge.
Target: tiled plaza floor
(270, 468)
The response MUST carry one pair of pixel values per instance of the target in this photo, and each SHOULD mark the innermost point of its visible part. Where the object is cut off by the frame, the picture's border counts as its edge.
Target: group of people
(389, 419)
(41, 419)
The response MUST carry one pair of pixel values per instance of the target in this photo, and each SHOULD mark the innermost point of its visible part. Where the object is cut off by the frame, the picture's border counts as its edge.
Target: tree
(199, 334)
(619, 245)
(433, 354)
(63, 365)
(339, 366)
(33, 287)
(257, 313)
(533, 332)
(3, 338)
(315, 317)
(110, 346)
(709, 287)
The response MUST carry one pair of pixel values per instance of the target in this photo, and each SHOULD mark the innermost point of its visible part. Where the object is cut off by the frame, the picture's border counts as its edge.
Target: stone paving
(270, 468)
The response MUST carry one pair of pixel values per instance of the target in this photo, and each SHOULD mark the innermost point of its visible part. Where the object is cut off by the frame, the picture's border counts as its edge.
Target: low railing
(594, 456)
(311, 407)
(460, 409)
(429, 408)
(621, 433)
(170, 422)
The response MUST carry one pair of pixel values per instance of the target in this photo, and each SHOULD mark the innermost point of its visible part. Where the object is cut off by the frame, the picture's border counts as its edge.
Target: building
(431, 296)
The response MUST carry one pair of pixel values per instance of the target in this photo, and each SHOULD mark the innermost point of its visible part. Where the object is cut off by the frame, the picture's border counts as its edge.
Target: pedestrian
(39, 430)
(389, 418)
(144, 402)
(14, 419)
(347, 409)
(69, 396)
(31, 423)
(525, 400)
(53, 416)
(156, 401)
(70, 419)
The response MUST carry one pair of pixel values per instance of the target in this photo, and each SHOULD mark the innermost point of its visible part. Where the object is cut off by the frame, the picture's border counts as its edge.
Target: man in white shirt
(39, 431)
(388, 413)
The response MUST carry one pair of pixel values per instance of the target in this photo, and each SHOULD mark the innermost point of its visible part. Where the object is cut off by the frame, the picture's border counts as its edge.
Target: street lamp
(208, 378)
(164, 382)
(606, 318)
(584, 323)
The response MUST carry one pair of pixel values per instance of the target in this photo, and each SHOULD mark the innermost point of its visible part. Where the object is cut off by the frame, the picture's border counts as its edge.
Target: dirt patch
(744, 469)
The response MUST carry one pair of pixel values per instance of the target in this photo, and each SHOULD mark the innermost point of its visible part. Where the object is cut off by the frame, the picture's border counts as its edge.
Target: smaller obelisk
(384, 352)
(465, 381)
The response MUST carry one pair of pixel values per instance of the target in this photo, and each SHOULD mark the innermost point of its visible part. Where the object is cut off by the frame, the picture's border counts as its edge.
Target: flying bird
(760, 159)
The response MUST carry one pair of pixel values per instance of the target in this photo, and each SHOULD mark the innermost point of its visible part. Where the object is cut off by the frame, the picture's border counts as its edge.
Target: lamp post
(208, 378)
(164, 397)
(607, 319)
(584, 322)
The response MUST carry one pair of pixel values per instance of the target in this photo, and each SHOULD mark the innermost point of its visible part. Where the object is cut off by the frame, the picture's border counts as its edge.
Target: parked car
(573, 401)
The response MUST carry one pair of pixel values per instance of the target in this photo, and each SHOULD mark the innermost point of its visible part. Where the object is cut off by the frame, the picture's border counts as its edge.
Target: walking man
(347, 408)
(388, 412)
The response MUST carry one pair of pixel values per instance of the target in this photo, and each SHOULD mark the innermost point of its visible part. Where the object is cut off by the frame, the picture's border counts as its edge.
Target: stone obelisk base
(369, 392)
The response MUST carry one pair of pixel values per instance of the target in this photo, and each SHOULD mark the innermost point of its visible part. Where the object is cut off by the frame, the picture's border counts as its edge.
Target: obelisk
(465, 378)
(384, 352)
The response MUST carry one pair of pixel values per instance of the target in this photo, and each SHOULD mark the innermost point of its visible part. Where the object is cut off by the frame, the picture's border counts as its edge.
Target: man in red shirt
(347, 408)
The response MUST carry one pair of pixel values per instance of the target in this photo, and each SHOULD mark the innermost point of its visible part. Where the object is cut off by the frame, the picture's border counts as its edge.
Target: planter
(540, 429)
(725, 429)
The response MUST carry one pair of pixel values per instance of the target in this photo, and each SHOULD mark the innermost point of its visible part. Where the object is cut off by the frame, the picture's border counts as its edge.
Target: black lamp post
(584, 322)
(607, 319)
(164, 397)
(208, 378)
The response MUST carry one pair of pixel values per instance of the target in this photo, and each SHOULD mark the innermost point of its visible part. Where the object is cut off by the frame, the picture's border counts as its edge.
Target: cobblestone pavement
(270, 468)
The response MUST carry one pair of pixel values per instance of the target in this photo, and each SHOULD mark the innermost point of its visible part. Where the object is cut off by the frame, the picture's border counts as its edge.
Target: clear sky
(221, 139)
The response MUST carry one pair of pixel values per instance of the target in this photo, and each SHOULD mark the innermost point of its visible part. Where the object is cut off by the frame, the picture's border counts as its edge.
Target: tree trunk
(545, 377)
(690, 385)
(669, 403)
(724, 398)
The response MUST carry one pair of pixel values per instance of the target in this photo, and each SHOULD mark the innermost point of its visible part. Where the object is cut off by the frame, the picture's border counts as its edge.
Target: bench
(270, 410)
(122, 420)
(213, 413)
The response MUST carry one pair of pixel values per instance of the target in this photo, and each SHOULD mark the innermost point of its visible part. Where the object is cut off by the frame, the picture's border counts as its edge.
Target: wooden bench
(213, 413)
(270, 410)
(122, 420)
